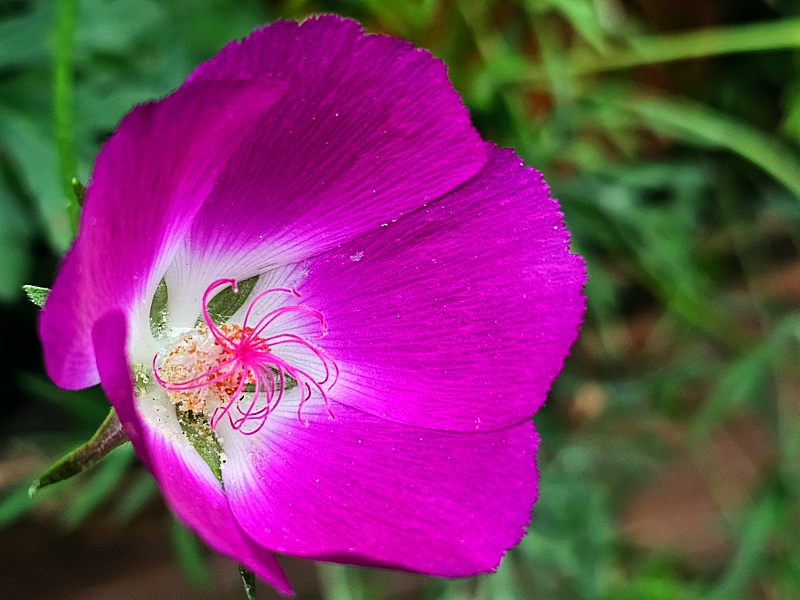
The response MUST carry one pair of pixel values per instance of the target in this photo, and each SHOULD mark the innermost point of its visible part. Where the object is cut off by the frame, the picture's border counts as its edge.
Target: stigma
(236, 371)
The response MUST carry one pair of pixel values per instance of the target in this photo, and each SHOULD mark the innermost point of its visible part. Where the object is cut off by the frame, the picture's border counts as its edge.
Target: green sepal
(222, 306)
(37, 295)
(79, 190)
(158, 310)
(248, 581)
(110, 435)
(197, 429)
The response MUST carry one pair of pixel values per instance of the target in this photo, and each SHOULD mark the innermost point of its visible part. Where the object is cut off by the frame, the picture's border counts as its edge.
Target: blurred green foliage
(670, 133)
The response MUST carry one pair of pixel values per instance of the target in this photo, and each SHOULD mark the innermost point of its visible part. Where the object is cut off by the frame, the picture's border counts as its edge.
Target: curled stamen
(215, 331)
(231, 371)
(270, 318)
(318, 352)
(262, 295)
(223, 410)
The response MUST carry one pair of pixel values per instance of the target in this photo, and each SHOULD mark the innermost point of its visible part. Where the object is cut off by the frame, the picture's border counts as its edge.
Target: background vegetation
(671, 443)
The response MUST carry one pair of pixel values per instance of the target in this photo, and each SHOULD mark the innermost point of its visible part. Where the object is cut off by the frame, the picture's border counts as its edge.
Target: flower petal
(457, 316)
(148, 182)
(108, 343)
(363, 490)
(187, 483)
(369, 129)
(197, 499)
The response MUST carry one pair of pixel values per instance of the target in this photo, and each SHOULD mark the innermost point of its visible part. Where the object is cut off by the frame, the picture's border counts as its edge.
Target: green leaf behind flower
(158, 310)
(248, 581)
(227, 302)
(197, 429)
(36, 294)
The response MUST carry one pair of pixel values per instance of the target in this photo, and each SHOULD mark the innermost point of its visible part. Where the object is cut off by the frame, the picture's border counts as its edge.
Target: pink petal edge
(362, 490)
(369, 129)
(137, 211)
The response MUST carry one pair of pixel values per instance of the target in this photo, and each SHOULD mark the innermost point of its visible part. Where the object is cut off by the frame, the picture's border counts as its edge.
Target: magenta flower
(405, 297)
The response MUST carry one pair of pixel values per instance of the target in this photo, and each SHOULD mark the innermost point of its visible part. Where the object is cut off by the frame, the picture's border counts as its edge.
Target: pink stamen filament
(246, 358)
(205, 379)
(270, 318)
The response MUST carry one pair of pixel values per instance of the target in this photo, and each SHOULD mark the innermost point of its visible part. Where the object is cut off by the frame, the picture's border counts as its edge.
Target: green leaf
(791, 120)
(158, 310)
(24, 40)
(141, 491)
(693, 122)
(227, 302)
(63, 74)
(341, 582)
(98, 109)
(739, 383)
(103, 481)
(406, 19)
(655, 579)
(36, 294)
(248, 582)
(33, 153)
(15, 236)
(14, 505)
(89, 405)
(700, 43)
(756, 530)
(501, 584)
(78, 190)
(582, 15)
(114, 26)
(198, 430)
(741, 380)
(109, 436)
(189, 554)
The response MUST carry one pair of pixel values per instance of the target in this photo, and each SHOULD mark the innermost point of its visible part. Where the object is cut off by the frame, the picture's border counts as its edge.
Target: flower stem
(63, 70)
(110, 435)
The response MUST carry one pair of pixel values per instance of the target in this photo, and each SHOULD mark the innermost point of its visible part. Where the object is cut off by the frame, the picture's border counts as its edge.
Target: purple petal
(363, 490)
(198, 500)
(459, 315)
(187, 483)
(108, 343)
(369, 129)
(148, 182)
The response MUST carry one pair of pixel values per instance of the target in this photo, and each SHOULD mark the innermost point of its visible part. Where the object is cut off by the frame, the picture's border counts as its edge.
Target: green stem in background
(63, 67)
(692, 122)
(553, 62)
(248, 581)
(648, 50)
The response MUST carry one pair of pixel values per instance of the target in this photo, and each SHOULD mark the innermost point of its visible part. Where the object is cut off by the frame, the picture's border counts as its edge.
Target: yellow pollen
(199, 358)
